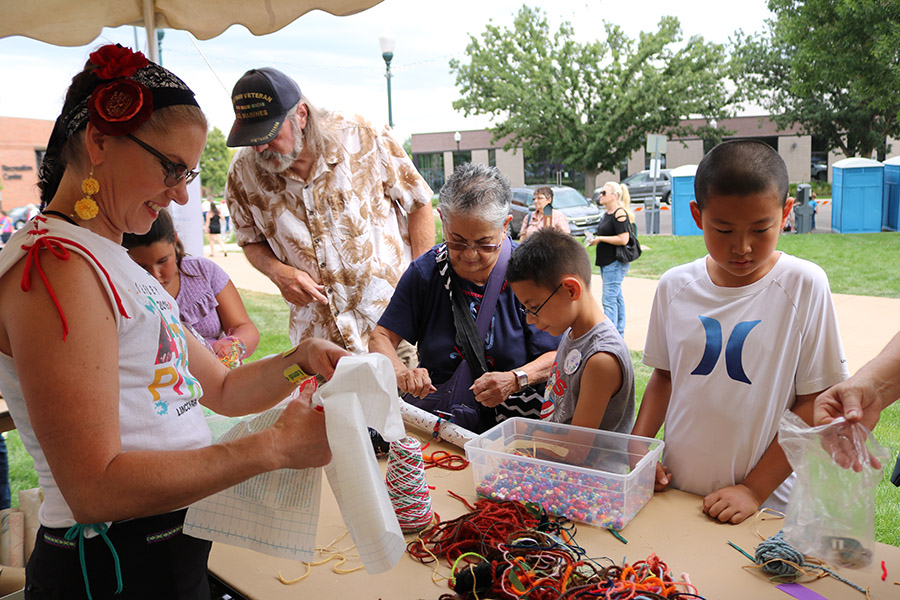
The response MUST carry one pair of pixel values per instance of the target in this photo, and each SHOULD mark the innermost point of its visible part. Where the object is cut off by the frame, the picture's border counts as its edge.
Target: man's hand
(416, 382)
(731, 504)
(494, 387)
(855, 399)
(298, 287)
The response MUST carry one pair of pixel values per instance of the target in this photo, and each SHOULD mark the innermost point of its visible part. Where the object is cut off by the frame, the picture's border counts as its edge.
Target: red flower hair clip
(114, 61)
(121, 106)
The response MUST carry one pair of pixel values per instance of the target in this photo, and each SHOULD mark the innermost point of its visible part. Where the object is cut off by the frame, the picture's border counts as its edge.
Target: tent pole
(150, 27)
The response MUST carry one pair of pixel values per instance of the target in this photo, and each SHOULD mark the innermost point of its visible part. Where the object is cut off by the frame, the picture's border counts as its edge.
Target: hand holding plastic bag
(831, 511)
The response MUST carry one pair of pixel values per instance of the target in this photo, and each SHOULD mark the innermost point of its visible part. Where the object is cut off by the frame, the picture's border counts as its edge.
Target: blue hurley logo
(734, 364)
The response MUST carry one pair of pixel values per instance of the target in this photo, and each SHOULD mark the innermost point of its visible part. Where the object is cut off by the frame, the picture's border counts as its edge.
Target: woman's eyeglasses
(480, 248)
(175, 172)
(534, 313)
(601, 193)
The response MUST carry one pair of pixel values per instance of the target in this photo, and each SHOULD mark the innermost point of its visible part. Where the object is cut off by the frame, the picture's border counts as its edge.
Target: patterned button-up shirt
(346, 227)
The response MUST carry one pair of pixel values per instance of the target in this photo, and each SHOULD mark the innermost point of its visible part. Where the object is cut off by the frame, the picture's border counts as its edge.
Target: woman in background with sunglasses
(103, 384)
(437, 300)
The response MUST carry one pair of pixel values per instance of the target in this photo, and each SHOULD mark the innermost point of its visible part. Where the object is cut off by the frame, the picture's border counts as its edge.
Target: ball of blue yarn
(781, 554)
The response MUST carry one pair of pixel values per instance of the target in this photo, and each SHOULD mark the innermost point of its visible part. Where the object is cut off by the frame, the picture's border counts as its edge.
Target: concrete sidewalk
(866, 323)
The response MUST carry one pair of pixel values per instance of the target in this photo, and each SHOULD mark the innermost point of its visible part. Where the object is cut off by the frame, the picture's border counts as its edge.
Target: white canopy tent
(68, 23)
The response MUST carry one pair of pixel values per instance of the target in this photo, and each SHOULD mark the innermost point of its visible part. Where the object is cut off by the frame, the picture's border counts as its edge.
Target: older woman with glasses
(479, 360)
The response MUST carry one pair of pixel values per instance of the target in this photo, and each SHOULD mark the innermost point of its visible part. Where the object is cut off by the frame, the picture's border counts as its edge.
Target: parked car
(581, 214)
(818, 170)
(640, 186)
(19, 216)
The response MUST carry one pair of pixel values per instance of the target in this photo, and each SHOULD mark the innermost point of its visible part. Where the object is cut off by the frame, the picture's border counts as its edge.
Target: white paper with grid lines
(277, 512)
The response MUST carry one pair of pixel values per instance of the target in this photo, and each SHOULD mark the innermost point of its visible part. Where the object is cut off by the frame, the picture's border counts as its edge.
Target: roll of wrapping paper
(12, 537)
(30, 502)
(431, 424)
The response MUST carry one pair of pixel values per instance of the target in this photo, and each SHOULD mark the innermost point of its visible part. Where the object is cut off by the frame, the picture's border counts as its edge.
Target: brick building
(22, 146)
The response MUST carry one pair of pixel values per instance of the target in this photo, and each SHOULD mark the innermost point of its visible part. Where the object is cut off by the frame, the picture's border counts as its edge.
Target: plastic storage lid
(855, 162)
(684, 171)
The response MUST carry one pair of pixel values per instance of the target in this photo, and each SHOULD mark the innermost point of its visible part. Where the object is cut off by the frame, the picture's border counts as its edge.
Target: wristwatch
(521, 378)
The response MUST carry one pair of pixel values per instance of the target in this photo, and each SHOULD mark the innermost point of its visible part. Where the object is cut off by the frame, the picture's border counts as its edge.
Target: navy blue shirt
(420, 313)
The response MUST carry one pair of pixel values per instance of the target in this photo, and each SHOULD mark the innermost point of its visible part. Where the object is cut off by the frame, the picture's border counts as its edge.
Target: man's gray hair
(319, 135)
(476, 190)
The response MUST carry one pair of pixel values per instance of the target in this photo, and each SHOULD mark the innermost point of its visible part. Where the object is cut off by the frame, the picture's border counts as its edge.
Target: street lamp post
(456, 138)
(386, 40)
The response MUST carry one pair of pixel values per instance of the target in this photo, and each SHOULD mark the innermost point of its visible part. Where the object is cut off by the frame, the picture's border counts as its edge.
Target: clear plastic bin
(587, 475)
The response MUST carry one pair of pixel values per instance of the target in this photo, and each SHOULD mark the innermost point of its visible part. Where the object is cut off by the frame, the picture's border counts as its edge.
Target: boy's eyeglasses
(175, 172)
(534, 313)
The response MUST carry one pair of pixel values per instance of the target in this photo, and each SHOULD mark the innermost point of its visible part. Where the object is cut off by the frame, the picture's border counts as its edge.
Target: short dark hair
(545, 191)
(740, 168)
(546, 256)
(163, 229)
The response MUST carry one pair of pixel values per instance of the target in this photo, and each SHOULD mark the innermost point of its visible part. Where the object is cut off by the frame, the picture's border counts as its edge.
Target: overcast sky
(337, 61)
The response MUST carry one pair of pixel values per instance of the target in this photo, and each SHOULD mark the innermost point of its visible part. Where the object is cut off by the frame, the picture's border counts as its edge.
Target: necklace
(61, 215)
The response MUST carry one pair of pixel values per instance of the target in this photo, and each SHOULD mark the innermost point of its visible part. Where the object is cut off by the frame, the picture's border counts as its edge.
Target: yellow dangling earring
(86, 208)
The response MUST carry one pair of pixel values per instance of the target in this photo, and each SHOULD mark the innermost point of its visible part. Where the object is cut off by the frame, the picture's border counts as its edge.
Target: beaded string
(407, 487)
(512, 551)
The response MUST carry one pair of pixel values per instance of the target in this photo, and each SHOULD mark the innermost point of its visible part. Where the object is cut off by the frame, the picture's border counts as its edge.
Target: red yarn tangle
(507, 550)
(444, 460)
(489, 524)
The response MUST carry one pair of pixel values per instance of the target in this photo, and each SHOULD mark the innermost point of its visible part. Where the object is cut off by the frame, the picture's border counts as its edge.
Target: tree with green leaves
(829, 66)
(590, 105)
(214, 162)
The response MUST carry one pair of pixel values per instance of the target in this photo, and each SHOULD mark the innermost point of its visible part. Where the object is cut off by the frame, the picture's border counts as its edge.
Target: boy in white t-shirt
(736, 338)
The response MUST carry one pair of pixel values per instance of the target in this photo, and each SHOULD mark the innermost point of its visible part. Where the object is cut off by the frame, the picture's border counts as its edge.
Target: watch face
(521, 378)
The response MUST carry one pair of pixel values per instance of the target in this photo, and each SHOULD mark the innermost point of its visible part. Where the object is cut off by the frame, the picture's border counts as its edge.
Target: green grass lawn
(865, 264)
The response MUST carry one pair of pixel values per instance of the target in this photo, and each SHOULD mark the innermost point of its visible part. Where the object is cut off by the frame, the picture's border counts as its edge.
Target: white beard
(276, 162)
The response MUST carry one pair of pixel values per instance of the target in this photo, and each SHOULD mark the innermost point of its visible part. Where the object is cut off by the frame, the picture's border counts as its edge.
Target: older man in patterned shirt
(326, 206)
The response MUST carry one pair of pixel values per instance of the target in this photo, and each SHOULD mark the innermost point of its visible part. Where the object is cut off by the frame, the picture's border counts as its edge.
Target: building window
(463, 156)
(492, 157)
(431, 168)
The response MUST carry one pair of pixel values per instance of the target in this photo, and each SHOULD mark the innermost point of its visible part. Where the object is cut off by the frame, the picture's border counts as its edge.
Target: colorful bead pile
(596, 499)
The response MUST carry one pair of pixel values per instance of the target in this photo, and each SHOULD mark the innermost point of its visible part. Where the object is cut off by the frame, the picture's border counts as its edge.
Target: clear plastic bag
(831, 511)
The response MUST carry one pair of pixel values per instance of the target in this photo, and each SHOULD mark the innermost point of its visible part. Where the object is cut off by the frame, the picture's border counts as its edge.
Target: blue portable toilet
(857, 186)
(890, 204)
(682, 195)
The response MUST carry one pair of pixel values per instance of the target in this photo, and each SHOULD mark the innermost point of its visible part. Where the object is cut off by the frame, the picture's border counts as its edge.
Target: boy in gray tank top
(592, 380)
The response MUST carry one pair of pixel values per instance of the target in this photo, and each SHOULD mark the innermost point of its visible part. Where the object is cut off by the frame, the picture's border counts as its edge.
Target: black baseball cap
(261, 100)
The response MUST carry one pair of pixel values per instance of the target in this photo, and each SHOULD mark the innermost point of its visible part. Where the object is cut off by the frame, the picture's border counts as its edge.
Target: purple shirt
(201, 282)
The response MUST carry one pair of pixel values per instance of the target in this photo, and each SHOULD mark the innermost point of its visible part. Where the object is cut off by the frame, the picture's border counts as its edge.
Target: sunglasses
(601, 193)
(175, 172)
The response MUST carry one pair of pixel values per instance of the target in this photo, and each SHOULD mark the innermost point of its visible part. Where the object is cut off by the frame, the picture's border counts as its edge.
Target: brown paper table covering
(672, 525)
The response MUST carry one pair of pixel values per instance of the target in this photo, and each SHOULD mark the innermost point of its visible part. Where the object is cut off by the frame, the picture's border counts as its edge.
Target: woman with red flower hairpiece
(102, 382)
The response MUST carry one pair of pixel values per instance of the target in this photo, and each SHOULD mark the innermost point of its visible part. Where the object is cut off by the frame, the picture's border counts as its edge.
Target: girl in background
(206, 297)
